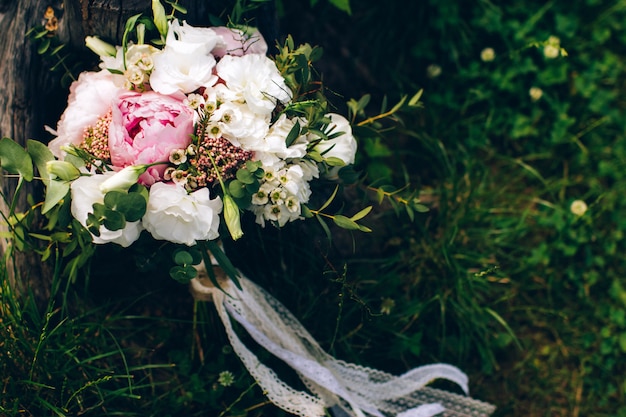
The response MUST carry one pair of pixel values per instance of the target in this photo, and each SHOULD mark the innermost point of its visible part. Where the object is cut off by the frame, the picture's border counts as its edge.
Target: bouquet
(177, 139)
(172, 140)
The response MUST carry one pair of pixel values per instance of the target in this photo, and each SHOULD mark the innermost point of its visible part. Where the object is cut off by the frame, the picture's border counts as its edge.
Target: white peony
(85, 191)
(179, 217)
(254, 79)
(342, 147)
(186, 63)
(90, 98)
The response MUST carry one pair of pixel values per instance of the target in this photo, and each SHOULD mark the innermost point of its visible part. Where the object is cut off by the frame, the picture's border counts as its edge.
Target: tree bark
(31, 96)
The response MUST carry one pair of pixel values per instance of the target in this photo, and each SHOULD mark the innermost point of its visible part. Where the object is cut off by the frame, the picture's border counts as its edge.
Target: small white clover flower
(178, 156)
(487, 55)
(535, 93)
(226, 378)
(433, 71)
(553, 48)
(578, 207)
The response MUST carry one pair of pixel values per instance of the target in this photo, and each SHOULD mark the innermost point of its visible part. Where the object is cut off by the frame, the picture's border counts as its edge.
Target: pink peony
(90, 98)
(145, 128)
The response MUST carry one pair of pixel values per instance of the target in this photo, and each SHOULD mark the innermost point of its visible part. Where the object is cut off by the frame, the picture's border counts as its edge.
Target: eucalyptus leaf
(55, 192)
(40, 154)
(15, 159)
(114, 220)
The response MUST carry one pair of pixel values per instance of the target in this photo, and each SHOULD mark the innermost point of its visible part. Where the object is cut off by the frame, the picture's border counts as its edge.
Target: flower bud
(123, 179)
(99, 46)
(160, 20)
(231, 216)
(63, 170)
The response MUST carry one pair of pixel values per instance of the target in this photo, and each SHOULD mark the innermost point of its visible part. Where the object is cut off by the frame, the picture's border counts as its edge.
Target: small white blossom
(179, 176)
(194, 101)
(135, 75)
(433, 71)
(487, 55)
(578, 207)
(178, 156)
(553, 48)
(535, 93)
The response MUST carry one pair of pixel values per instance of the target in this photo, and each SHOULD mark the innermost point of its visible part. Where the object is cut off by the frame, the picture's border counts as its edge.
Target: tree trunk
(31, 96)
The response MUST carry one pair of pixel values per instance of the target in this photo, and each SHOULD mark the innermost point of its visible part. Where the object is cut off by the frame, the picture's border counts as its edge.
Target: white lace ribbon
(347, 389)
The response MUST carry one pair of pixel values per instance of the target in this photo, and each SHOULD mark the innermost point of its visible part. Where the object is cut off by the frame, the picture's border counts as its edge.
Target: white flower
(124, 179)
(85, 191)
(578, 207)
(240, 126)
(261, 197)
(487, 54)
(100, 47)
(179, 217)
(342, 147)
(178, 156)
(553, 48)
(90, 98)
(274, 147)
(194, 101)
(186, 63)
(254, 79)
(433, 71)
(135, 75)
(535, 93)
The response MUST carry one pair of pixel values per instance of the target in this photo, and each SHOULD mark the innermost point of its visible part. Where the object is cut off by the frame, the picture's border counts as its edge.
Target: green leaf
(40, 154)
(114, 220)
(293, 134)
(414, 101)
(222, 260)
(182, 257)
(245, 176)
(55, 192)
(15, 159)
(345, 223)
(361, 213)
(333, 161)
(236, 189)
(343, 5)
(183, 274)
(43, 46)
(132, 205)
(330, 199)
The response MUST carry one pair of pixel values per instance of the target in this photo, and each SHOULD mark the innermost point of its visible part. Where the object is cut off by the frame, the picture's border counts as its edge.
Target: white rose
(90, 98)
(85, 191)
(342, 147)
(186, 63)
(179, 217)
(254, 79)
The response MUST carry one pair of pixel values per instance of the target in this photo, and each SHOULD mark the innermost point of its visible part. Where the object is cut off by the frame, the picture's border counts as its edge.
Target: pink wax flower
(145, 128)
